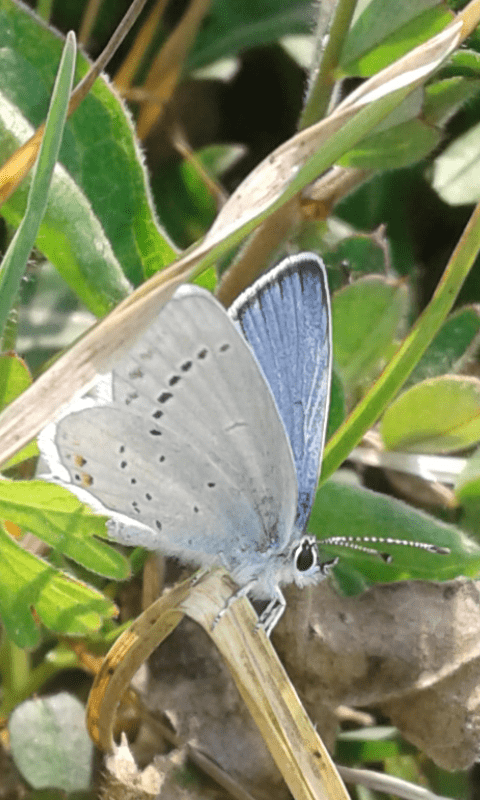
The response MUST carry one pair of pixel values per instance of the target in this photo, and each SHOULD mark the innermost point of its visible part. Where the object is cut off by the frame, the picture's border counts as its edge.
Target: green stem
(44, 9)
(320, 90)
(19, 681)
(15, 672)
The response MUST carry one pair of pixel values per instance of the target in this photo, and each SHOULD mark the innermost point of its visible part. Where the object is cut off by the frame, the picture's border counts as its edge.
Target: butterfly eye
(306, 556)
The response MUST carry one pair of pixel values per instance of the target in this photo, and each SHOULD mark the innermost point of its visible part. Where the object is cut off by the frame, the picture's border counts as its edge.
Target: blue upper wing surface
(285, 317)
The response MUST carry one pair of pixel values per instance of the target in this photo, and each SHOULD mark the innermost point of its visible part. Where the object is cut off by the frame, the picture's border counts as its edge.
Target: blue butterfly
(205, 441)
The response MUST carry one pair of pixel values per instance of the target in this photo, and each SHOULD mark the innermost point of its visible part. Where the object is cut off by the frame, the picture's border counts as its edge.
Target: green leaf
(383, 199)
(456, 172)
(353, 511)
(15, 259)
(99, 225)
(444, 98)
(435, 416)
(464, 61)
(365, 319)
(384, 30)
(14, 379)
(396, 147)
(63, 604)
(50, 743)
(458, 334)
(359, 253)
(58, 518)
(237, 25)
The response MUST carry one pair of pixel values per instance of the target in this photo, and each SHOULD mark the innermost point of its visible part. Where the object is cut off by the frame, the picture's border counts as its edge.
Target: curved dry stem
(122, 661)
(260, 678)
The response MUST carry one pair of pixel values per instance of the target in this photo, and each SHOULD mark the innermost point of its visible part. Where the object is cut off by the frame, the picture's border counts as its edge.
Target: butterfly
(205, 440)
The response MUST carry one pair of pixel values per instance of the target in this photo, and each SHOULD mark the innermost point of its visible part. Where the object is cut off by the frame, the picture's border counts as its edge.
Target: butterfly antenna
(351, 544)
(358, 543)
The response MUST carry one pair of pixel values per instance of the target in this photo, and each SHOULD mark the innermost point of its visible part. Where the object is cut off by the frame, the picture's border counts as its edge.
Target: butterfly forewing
(286, 320)
(190, 443)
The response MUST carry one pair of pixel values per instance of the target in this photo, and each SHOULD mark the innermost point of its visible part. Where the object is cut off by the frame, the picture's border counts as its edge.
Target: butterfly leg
(269, 616)
(244, 590)
(272, 613)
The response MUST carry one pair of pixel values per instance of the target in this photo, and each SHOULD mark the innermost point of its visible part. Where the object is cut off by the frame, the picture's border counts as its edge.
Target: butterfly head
(303, 565)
